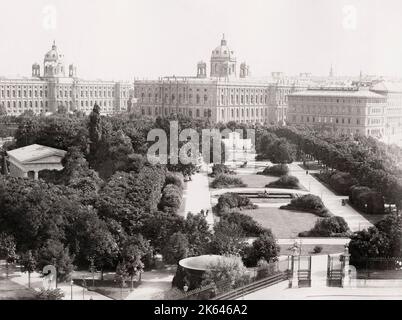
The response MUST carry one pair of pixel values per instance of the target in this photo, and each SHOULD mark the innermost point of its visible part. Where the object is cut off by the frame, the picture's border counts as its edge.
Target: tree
(134, 250)
(3, 110)
(228, 238)
(54, 253)
(121, 276)
(8, 249)
(95, 130)
(28, 263)
(281, 151)
(198, 234)
(264, 247)
(176, 248)
(159, 226)
(127, 197)
(89, 238)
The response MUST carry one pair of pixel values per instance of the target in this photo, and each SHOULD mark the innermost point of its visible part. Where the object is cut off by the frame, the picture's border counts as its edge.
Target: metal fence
(255, 277)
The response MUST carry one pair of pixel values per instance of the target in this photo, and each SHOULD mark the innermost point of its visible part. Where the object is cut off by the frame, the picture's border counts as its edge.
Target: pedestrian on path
(306, 172)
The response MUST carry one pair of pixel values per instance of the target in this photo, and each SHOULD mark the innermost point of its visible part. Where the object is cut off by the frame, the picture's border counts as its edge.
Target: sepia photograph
(219, 151)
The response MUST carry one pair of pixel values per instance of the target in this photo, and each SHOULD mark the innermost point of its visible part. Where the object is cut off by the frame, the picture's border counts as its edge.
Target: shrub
(175, 178)
(275, 170)
(171, 198)
(328, 227)
(308, 203)
(367, 200)
(50, 294)
(288, 182)
(229, 201)
(226, 181)
(264, 269)
(317, 249)
(250, 227)
(219, 168)
(228, 270)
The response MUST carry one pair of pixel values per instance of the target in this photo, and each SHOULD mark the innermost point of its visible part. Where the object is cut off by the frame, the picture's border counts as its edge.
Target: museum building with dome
(226, 93)
(45, 91)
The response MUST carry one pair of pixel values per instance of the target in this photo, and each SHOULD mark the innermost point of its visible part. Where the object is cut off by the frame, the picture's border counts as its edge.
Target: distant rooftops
(336, 92)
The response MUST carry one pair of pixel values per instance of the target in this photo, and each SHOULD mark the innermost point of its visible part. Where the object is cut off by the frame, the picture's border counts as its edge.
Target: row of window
(244, 99)
(314, 119)
(245, 113)
(337, 100)
(37, 104)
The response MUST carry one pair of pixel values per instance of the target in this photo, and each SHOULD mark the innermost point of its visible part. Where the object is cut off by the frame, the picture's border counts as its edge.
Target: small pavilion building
(26, 162)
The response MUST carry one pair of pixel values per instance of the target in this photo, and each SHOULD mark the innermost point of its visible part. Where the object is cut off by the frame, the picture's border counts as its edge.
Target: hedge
(175, 178)
(250, 227)
(171, 198)
(226, 181)
(219, 168)
(328, 227)
(275, 170)
(308, 203)
(229, 201)
(288, 182)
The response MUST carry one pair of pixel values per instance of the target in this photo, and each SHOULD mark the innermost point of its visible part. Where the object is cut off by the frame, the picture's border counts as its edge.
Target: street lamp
(72, 283)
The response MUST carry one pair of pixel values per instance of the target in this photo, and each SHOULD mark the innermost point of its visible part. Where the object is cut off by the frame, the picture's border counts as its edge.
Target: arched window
(223, 114)
(247, 112)
(198, 99)
(205, 99)
(237, 113)
(232, 113)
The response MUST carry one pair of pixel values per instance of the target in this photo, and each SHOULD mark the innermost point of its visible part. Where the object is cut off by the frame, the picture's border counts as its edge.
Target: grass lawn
(308, 249)
(283, 223)
(10, 290)
(255, 180)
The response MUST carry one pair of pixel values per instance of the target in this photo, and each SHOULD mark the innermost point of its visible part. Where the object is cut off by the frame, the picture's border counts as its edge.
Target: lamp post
(71, 284)
(84, 285)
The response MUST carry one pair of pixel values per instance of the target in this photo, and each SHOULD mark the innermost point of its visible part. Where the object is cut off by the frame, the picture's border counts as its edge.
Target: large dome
(53, 54)
(222, 51)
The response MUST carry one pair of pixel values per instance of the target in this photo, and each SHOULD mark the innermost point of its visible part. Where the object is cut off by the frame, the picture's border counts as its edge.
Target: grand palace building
(223, 93)
(56, 86)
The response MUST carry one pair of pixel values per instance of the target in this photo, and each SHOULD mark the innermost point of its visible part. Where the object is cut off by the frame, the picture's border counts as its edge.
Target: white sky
(123, 39)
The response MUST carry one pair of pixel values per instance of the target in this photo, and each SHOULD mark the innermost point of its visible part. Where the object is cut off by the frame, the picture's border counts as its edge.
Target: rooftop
(35, 152)
(336, 93)
(387, 86)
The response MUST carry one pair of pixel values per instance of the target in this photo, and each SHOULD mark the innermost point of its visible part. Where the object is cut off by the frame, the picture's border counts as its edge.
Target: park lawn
(256, 180)
(284, 224)
(308, 249)
(10, 290)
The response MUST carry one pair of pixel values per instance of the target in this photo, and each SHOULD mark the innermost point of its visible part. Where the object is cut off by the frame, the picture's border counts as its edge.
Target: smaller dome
(53, 54)
(35, 64)
(223, 51)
